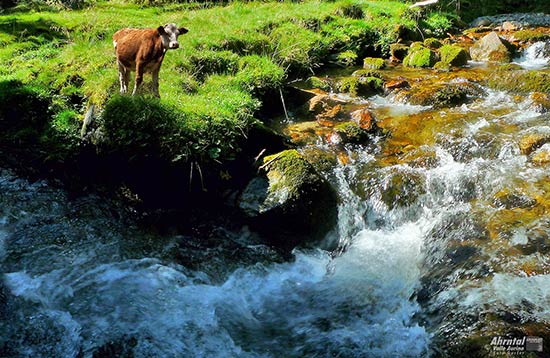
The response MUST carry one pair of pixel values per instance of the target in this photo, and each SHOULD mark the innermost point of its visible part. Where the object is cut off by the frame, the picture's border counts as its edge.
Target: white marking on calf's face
(169, 34)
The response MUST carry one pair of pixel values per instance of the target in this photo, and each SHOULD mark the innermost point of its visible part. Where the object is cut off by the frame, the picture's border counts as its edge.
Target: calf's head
(169, 34)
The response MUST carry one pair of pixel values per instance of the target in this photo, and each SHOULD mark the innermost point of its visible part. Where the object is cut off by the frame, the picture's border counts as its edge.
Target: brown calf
(142, 50)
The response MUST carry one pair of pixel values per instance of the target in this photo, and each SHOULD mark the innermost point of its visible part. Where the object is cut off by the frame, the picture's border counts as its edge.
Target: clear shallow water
(76, 281)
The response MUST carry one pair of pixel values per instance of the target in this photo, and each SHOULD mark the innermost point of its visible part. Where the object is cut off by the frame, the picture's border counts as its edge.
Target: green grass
(232, 56)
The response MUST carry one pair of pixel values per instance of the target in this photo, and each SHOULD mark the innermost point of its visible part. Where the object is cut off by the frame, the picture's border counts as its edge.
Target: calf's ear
(182, 30)
(161, 30)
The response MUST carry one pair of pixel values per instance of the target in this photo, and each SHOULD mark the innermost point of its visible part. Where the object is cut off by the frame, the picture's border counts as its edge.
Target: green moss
(360, 86)
(453, 55)
(372, 63)
(531, 35)
(432, 43)
(350, 132)
(287, 172)
(520, 81)
(347, 58)
(320, 83)
(420, 56)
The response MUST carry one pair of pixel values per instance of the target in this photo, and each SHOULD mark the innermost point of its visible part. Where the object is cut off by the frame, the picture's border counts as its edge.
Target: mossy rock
(441, 94)
(529, 35)
(541, 102)
(321, 159)
(291, 203)
(347, 58)
(366, 73)
(542, 155)
(398, 51)
(432, 43)
(373, 63)
(520, 81)
(453, 55)
(533, 140)
(320, 83)
(351, 132)
(420, 56)
(402, 188)
(360, 86)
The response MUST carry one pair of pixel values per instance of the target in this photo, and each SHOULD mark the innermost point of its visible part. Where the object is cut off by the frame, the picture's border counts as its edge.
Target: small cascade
(536, 56)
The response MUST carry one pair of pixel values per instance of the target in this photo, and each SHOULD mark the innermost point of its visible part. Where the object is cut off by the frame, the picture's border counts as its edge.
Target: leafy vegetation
(233, 58)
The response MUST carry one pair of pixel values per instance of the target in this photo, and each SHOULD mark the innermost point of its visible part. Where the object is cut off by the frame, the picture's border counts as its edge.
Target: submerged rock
(440, 94)
(510, 78)
(290, 203)
(542, 155)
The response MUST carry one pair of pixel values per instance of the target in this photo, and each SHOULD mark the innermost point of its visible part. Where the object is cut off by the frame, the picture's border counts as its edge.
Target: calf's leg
(124, 78)
(139, 77)
(156, 82)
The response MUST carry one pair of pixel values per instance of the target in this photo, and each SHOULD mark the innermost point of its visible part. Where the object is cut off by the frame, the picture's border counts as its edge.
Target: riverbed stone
(374, 63)
(491, 48)
(533, 140)
(542, 155)
(540, 102)
(420, 56)
(290, 202)
(440, 94)
(398, 52)
(510, 78)
(453, 55)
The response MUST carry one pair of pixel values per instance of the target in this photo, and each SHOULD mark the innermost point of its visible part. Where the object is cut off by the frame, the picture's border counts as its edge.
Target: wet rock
(402, 188)
(364, 119)
(373, 63)
(322, 160)
(529, 35)
(324, 84)
(322, 103)
(328, 117)
(398, 52)
(453, 55)
(541, 102)
(360, 86)
(510, 78)
(290, 203)
(440, 94)
(532, 140)
(432, 43)
(303, 133)
(423, 157)
(351, 132)
(420, 56)
(396, 84)
(511, 200)
(542, 155)
(491, 48)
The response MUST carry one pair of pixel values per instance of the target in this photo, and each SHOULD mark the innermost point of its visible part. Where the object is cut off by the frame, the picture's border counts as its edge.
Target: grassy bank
(233, 57)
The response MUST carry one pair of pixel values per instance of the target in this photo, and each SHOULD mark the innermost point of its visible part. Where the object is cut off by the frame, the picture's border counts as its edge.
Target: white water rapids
(73, 291)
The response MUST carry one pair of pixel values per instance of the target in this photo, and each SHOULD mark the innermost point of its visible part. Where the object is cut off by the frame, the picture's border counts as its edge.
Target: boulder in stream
(420, 56)
(290, 202)
(491, 48)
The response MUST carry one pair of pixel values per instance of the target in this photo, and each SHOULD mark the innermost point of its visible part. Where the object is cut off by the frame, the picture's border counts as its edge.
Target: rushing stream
(430, 236)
